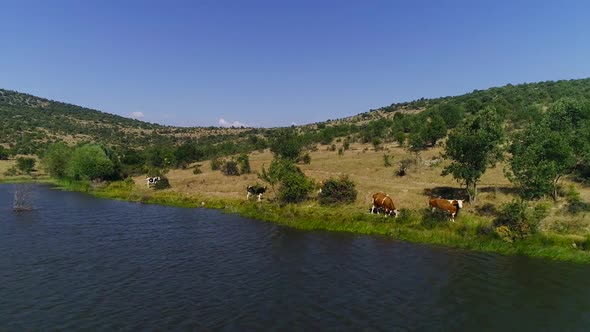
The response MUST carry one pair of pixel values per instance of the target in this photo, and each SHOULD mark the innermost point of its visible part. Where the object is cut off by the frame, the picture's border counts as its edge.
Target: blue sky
(277, 63)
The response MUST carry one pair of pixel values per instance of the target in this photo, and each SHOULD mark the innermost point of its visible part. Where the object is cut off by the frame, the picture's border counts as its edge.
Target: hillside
(29, 123)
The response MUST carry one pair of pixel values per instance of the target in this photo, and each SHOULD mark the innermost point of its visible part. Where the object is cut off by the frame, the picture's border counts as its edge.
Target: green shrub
(216, 163)
(11, 171)
(386, 160)
(346, 144)
(25, 165)
(244, 163)
(335, 191)
(295, 187)
(230, 167)
(162, 184)
(305, 159)
(575, 203)
(518, 220)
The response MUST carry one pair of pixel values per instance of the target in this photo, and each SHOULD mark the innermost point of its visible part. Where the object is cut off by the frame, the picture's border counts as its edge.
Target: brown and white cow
(451, 206)
(382, 202)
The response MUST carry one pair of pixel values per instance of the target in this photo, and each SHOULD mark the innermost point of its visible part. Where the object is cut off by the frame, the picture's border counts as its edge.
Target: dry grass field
(366, 168)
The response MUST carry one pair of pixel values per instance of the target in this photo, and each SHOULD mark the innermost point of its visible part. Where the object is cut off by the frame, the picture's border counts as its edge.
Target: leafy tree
(451, 114)
(89, 162)
(285, 143)
(540, 158)
(56, 158)
(25, 164)
(417, 140)
(3, 153)
(294, 186)
(473, 147)
(435, 129)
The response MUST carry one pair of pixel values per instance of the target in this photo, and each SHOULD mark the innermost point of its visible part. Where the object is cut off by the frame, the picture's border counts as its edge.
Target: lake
(76, 262)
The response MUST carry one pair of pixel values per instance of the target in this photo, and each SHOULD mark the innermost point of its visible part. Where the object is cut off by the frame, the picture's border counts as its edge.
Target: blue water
(80, 263)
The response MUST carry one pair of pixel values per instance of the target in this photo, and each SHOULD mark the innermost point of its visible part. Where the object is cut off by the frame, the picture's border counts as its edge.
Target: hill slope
(29, 123)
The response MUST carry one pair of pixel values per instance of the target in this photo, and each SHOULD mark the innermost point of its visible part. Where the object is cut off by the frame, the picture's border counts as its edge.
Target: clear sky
(277, 63)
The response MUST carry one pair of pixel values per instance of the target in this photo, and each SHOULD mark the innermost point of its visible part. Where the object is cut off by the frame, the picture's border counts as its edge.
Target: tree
(540, 157)
(89, 162)
(25, 164)
(473, 147)
(3, 153)
(435, 129)
(286, 144)
(294, 186)
(56, 158)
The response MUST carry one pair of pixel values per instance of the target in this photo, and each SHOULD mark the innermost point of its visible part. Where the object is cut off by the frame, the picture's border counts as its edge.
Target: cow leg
(259, 197)
(248, 195)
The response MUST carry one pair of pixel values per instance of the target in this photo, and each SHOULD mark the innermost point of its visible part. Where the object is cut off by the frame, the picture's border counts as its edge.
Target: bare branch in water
(22, 194)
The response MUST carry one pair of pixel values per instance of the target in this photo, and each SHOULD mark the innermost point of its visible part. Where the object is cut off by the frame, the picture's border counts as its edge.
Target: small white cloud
(137, 115)
(224, 123)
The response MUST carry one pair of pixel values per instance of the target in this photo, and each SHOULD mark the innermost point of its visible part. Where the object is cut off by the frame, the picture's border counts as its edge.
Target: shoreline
(469, 232)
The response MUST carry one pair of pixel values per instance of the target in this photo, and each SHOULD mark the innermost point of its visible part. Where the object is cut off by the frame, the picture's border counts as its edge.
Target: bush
(90, 162)
(197, 170)
(25, 164)
(346, 144)
(162, 184)
(386, 160)
(305, 159)
(335, 191)
(404, 166)
(244, 163)
(295, 187)
(575, 203)
(11, 171)
(518, 220)
(216, 163)
(230, 167)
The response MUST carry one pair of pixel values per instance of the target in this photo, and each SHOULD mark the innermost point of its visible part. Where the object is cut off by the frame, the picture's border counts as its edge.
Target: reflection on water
(81, 263)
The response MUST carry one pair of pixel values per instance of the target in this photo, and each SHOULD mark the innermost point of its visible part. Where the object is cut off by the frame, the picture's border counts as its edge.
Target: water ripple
(80, 263)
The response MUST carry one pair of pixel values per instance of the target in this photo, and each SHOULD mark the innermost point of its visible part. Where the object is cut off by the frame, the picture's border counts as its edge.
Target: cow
(152, 181)
(382, 202)
(451, 206)
(255, 190)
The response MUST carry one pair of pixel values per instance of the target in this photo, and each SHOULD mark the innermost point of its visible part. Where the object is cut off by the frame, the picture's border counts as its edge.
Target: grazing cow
(255, 190)
(382, 202)
(152, 181)
(451, 206)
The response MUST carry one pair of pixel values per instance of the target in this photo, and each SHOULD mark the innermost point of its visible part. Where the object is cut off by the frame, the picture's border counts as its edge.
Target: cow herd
(383, 203)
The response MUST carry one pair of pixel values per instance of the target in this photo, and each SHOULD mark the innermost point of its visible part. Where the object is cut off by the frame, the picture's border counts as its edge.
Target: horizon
(222, 63)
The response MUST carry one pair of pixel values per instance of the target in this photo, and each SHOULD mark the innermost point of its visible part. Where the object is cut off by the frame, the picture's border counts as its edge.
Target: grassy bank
(469, 232)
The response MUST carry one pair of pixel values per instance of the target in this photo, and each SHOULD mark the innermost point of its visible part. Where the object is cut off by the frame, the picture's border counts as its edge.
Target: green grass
(469, 232)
